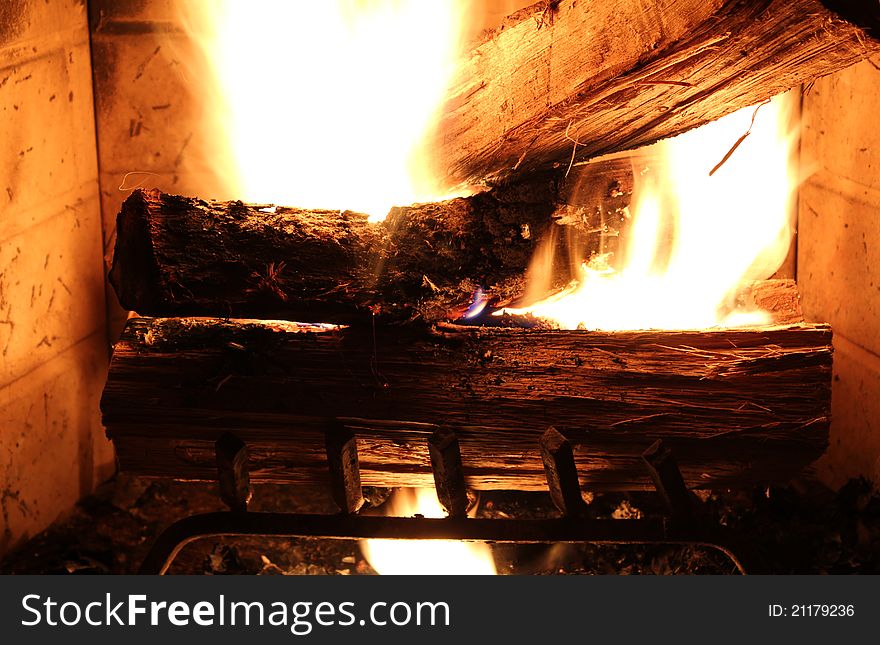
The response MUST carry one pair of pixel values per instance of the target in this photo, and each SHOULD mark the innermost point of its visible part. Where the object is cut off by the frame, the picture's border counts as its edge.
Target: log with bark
(185, 256)
(565, 81)
(737, 406)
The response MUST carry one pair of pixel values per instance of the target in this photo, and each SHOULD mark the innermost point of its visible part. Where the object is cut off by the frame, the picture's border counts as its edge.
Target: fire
(425, 557)
(327, 104)
(695, 238)
(324, 104)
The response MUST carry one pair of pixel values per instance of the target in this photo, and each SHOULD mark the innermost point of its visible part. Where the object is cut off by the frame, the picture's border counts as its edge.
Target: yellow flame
(325, 104)
(425, 557)
(695, 238)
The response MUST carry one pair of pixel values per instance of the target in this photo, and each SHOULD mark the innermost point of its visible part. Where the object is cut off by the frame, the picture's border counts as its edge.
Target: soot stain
(13, 20)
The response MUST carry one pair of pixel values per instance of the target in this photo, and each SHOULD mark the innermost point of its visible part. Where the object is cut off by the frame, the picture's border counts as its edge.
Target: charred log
(737, 406)
(185, 256)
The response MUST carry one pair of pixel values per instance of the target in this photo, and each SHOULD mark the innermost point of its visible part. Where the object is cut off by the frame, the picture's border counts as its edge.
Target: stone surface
(839, 257)
(855, 429)
(838, 267)
(53, 349)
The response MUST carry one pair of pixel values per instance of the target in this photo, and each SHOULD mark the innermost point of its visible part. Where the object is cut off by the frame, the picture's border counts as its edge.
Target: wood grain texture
(736, 406)
(565, 81)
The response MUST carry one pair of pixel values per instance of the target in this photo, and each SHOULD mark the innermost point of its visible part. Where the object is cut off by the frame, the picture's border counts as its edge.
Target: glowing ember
(425, 557)
(694, 237)
(324, 104)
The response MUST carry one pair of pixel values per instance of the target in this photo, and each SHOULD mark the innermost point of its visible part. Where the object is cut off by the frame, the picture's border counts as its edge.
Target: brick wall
(839, 257)
(53, 348)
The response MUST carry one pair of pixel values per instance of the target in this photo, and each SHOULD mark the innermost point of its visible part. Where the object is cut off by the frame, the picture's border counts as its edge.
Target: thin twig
(676, 83)
(740, 140)
(638, 419)
(381, 381)
(573, 150)
(122, 187)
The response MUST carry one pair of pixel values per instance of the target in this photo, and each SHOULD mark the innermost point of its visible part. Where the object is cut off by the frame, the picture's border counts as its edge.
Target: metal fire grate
(683, 522)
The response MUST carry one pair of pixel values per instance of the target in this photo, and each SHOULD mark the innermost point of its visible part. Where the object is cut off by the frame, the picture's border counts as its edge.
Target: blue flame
(477, 304)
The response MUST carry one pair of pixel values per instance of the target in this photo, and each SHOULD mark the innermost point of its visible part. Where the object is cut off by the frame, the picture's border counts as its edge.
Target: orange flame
(327, 104)
(425, 557)
(324, 104)
(727, 228)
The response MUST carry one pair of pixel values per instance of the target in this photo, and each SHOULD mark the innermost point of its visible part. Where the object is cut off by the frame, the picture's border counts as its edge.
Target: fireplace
(278, 336)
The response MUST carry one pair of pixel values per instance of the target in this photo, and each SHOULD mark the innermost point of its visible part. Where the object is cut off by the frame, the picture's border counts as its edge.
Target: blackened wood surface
(735, 406)
(185, 256)
(565, 81)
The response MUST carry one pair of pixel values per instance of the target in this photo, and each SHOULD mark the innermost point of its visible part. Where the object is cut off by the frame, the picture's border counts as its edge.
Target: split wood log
(185, 256)
(565, 81)
(736, 406)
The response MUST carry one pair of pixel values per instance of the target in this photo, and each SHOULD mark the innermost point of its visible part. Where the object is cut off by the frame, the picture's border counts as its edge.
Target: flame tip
(425, 557)
(699, 227)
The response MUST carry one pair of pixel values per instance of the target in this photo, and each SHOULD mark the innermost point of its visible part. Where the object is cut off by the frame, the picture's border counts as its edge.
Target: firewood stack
(738, 406)
(274, 324)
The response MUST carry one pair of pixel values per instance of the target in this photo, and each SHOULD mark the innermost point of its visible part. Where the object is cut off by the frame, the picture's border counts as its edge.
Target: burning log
(185, 256)
(737, 406)
(566, 81)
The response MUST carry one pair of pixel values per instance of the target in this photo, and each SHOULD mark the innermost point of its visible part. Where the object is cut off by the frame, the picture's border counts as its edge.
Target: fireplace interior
(168, 350)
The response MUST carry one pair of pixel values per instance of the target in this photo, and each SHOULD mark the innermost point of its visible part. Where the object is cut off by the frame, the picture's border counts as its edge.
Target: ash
(799, 528)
